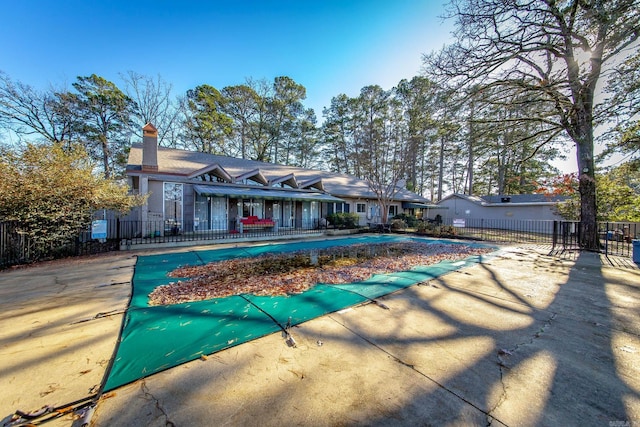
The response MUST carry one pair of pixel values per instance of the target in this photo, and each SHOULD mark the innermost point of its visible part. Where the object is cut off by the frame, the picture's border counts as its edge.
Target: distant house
(193, 191)
(502, 207)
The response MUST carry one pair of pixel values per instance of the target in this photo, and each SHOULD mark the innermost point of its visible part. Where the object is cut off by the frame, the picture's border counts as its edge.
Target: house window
(283, 212)
(315, 212)
(310, 214)
(339, 207)
(249, 181)
(135, 184)
(251, 207)
(361, 208)
(210, 177)
(172, 206)
(201, 213)
(374, 211)
(393, 211)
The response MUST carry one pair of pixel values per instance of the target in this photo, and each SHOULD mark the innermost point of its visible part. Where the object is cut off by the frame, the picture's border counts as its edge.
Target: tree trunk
(105, 156)
(441, 169)
(384, 212)
(470, 168)
(243, 141)
(587, 187)
(501, 174)
(470, 153)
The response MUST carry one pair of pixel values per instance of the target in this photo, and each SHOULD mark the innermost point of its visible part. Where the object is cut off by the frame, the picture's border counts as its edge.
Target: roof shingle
(184, 163)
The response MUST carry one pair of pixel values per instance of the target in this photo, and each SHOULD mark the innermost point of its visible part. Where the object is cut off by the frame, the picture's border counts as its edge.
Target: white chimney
(149, 148)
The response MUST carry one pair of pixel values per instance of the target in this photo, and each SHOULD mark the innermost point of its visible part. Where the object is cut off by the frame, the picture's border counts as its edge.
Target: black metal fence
(149, 232)
(615, 237)
(502, 230)
(17, 248)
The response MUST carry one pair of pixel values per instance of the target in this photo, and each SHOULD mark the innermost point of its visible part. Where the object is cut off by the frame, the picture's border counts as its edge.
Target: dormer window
(315, 183)
(209, 177)
(254, 177)
(211, 173)
(249, 181)
(286, 181)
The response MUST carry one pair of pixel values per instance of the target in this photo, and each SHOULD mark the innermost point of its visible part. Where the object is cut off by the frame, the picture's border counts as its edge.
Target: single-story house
(500, 207)
(192, 191)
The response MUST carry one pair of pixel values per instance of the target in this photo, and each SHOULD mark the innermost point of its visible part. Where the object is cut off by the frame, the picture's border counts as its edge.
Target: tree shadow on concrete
(478, 347)
(563, 368)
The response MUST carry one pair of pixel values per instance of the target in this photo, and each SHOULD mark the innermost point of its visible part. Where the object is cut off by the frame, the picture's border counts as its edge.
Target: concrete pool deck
(522, 339)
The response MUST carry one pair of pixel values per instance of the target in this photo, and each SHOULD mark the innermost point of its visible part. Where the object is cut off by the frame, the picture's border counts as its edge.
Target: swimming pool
(155, 338)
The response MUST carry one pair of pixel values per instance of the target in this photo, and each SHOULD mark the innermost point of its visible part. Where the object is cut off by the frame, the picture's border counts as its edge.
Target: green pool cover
(160, 337)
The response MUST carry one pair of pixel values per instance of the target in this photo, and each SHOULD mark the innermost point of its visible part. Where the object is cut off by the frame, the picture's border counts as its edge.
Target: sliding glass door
(210, 213)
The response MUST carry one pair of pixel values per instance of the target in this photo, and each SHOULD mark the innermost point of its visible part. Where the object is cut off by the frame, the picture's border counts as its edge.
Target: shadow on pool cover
(155, 338)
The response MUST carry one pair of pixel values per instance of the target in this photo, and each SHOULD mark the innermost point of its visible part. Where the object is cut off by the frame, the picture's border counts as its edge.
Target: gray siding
(155, 201)
(461, 208)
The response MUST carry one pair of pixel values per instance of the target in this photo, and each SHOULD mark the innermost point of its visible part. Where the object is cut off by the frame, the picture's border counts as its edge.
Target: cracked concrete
(523, 339)
(50, 356)
(503, 357)
(156, 403)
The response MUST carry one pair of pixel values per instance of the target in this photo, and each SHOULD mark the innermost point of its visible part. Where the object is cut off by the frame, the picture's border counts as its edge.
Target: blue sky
(330, 46)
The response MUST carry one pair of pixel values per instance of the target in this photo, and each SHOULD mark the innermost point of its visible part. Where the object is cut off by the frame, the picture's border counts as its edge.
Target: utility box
(636, 251)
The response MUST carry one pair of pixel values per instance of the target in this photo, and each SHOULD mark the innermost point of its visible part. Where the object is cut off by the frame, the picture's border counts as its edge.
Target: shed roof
(506, 200)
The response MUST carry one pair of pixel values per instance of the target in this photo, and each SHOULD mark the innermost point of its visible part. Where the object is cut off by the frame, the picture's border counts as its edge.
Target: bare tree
(367, 137)
(554, 50)
(153, 104)
(28, 112)
(623, 110)
(379, 141)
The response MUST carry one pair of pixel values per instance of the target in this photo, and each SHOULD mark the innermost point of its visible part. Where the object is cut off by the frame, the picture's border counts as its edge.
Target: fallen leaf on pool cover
(293, 273)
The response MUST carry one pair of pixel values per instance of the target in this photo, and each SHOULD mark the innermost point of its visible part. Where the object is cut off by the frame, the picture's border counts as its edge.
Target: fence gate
(615, 237)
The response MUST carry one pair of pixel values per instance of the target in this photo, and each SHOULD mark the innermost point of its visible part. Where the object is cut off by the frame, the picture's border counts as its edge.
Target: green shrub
(422, 227)
(432, 229)
(343, 220)
(398, 224)
(409, 220)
